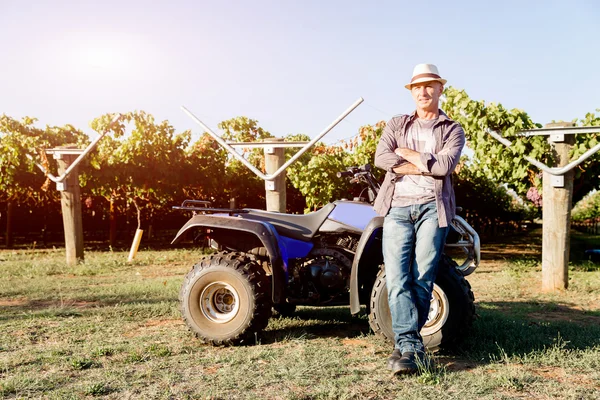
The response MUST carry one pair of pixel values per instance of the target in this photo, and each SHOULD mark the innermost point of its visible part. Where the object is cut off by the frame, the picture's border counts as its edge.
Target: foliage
(314, 174)
(484, 201)
(22, 184)
(487, 204)
(295, 198)
(205, 170)
(587, 174)
(507, 165)
(239, 182)
(20, 179)
(145, 163)
(587, 208)
(492, 159)
(142, 166)
(316, 177)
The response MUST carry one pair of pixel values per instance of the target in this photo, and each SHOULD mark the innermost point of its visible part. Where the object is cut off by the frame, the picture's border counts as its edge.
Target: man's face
(427, 95)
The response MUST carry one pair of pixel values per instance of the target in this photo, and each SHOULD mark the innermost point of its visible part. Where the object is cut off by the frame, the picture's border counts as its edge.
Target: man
(419, 151)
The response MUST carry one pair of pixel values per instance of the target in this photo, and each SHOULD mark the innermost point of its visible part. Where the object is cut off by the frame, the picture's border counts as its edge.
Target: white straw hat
(425, 73)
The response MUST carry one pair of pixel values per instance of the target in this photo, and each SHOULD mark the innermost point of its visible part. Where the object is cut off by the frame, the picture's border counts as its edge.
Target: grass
(110, 329)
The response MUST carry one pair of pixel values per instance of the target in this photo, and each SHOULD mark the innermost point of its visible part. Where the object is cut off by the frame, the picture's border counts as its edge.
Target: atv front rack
(191, 205)
(469, 243)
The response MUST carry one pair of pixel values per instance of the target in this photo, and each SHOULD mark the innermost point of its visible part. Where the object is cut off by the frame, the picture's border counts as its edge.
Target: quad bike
(273, 261)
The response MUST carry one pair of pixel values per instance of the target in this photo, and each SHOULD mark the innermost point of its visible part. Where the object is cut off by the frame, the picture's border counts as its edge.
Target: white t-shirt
(416, 189)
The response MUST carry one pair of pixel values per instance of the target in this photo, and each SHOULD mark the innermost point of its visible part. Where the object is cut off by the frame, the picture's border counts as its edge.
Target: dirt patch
(159, 274)
(355, 342)
(358, 349)
(505, 251)
(454, 365)
(210, 370)
(560, 375)
(575, 316)
(13, 302)
(154, 325)
(513, 394)
(163, 322)
(40, 304)
(520, 245)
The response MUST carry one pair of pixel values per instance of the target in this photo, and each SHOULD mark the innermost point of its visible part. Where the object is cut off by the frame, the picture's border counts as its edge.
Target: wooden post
(275, 189)
(556, 213)
(112, 233)
(135, 245)
(70, 201)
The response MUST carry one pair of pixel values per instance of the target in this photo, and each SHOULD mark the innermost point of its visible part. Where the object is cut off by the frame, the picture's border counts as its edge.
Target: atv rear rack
(190, 205)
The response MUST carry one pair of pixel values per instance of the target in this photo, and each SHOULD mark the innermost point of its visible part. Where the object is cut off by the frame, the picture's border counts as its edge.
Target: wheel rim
(219, 302)
(439, 309)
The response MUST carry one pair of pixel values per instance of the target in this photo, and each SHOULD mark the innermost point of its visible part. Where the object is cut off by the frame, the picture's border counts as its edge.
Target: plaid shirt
(450, 140)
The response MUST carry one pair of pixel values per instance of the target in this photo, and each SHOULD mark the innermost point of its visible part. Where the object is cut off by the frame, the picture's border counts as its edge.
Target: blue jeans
(412, 246)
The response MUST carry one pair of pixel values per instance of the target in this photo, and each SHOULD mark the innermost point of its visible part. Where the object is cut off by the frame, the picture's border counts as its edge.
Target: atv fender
(372, 231)
(262, 230)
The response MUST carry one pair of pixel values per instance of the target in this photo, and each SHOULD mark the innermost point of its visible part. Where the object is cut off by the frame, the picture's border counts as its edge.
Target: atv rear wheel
(225, 299)
(451, 312)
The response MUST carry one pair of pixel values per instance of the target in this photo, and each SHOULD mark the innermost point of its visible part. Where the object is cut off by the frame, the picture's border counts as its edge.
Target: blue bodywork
(291, 248)
(353, 214)
(350, 213)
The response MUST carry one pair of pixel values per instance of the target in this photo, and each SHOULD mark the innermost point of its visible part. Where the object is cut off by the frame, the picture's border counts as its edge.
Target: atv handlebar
(355, 171)
(362, 174)
(344, 174)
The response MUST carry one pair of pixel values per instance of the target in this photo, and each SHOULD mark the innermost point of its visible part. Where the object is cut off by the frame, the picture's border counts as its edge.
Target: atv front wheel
(451, 312)
(225, 299)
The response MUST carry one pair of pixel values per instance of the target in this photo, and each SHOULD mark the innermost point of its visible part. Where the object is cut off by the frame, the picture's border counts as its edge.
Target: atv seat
(300, 227)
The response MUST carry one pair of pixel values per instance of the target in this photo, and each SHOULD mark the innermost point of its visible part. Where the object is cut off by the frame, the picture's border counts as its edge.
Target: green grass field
(110, 329)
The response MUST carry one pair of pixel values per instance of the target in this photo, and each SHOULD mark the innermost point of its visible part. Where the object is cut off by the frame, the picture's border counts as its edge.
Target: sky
(294, 66)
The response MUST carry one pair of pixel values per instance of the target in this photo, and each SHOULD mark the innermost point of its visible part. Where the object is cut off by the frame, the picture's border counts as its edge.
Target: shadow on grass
(501, 329)
(520, 328)
(315, 322)
(28, 309)
(528, 245)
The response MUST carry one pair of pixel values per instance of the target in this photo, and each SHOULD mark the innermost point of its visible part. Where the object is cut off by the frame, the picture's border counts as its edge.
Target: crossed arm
(410, 162)
(414, 166)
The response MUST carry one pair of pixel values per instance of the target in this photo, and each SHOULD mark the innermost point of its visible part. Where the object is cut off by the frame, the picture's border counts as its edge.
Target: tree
(506, 165)
(491, 158)
(587, 208)
(239, 182)
(142, 167)
(205, 171)
(21, 182)
(587, 174)
(314, 174)
(486, 204)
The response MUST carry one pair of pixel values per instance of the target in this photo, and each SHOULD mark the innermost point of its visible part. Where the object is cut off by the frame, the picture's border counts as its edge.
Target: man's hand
(407, 169)
(413, 157)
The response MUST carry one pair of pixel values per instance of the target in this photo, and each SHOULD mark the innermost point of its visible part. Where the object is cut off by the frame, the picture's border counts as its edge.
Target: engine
(320, 279)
